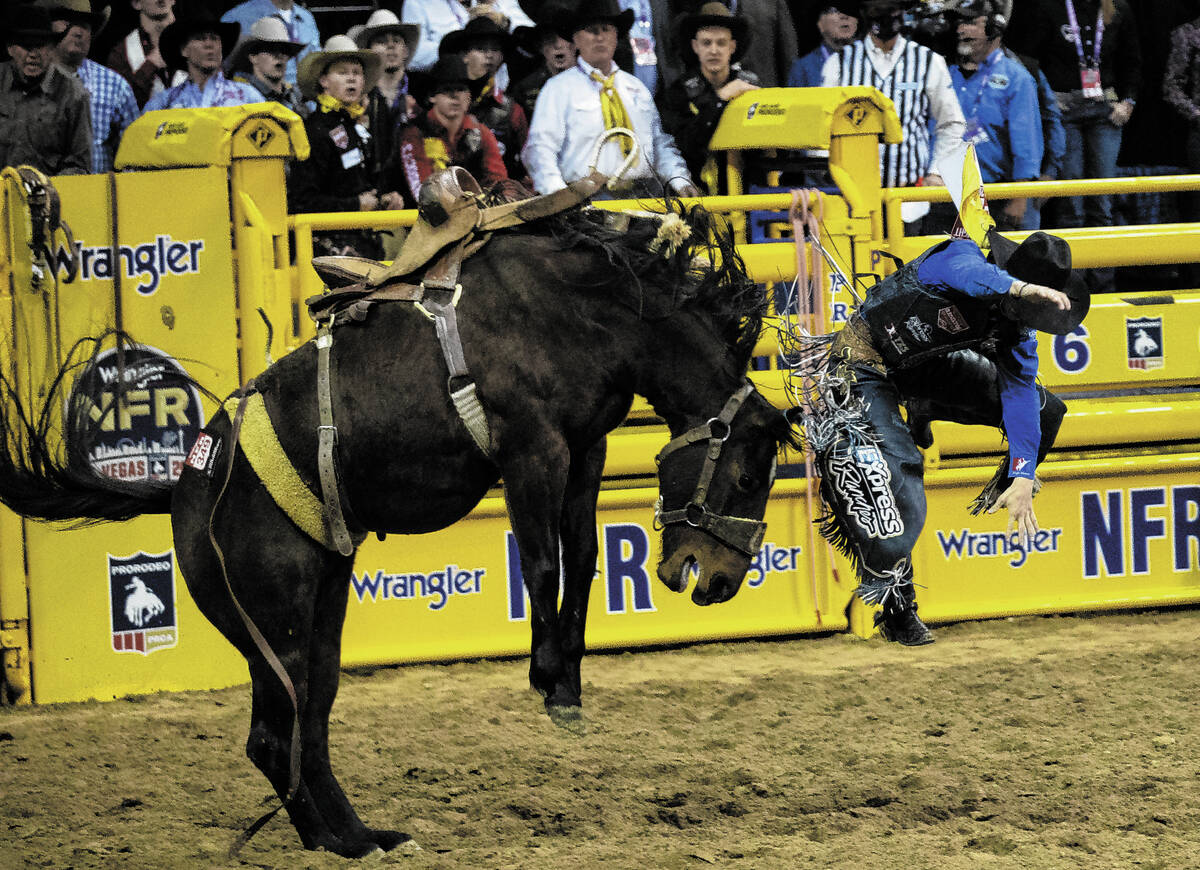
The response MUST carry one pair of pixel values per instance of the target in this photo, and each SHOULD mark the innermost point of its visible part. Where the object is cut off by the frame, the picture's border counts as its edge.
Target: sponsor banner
(145, 434)
(141, 593)
(1144, 342)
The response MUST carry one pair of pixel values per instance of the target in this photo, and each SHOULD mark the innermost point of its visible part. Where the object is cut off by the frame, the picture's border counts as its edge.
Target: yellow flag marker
(960, 171)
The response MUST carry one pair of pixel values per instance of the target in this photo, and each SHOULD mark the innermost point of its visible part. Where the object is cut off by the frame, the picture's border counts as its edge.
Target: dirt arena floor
(1035, 742)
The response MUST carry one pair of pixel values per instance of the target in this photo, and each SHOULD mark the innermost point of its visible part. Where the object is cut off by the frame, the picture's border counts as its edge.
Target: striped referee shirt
(917, 81)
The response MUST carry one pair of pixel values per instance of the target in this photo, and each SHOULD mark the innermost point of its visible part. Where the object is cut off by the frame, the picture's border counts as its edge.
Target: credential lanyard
(1078, 37)
(986, 72)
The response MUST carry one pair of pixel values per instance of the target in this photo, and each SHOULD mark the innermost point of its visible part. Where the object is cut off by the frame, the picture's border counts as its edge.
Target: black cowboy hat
(1042, 259)
(853, 8)
(480, 29)
(715, 14)
(569, 18)
(184, 27)
(28, 24)
(77, 11)
(445, 73)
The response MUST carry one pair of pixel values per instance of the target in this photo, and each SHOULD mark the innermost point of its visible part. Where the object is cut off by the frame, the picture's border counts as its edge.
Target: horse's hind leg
(278, 575)
(324, 672)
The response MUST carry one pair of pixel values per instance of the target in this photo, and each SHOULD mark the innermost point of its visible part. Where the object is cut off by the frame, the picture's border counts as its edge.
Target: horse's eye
(746, 482)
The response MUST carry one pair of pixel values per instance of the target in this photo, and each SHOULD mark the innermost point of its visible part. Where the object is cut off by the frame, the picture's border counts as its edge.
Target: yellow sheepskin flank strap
(265, 454)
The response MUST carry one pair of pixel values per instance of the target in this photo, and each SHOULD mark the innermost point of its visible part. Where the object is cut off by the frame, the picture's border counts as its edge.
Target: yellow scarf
(612, 108)
(327, 103)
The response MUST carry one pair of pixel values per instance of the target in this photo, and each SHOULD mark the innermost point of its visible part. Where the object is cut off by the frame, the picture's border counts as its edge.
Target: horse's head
(714, 481)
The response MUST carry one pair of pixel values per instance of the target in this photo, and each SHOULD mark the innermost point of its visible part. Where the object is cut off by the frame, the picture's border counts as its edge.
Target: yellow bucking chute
(172, 138)
(960, 171)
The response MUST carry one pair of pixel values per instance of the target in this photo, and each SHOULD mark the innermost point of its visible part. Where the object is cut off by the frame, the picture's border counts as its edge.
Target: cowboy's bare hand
(1018, 498)
(368, 200)
(1029, 290)
(734, 88)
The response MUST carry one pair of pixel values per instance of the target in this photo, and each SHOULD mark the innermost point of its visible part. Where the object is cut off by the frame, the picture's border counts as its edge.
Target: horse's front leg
(578, 534)
(533, 487)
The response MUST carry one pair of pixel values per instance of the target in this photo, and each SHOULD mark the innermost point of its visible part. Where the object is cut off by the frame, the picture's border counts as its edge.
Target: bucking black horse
(562, 322)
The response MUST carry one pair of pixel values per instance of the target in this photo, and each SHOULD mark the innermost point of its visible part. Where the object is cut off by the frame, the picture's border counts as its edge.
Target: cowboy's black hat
(446, 74)
(715, 14)
(570, 18)
(185, 26)
(28, 25)
(853, 8)
(1042, 259)
(477, 30)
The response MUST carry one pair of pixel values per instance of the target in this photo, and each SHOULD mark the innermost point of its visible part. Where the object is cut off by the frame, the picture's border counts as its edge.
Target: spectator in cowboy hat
(436, 18)
(300, 24)
(693, 104)
(483, 46)
(197, 44)
(556, 54)
(338, 175)
(576, 107)
(44, 116)
(112, 103)
(260, 60)
(390, 105)
(447, 135)
(137, 57)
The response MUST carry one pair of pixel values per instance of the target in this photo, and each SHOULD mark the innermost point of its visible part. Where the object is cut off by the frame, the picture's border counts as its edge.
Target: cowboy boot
(898, 620)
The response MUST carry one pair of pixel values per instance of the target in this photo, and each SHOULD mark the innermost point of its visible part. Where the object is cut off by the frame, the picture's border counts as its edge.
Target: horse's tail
(45, 469)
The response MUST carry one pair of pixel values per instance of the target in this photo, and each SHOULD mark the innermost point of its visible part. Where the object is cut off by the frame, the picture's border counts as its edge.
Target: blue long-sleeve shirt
(961, 266)
(1000, 104)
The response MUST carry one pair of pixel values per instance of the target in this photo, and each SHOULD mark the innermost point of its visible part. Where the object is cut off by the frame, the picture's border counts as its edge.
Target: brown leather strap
(327, 443)
(522, 211)
(260, 641)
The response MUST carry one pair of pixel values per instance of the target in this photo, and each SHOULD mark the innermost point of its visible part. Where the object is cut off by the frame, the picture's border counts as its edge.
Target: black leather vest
(911, 321)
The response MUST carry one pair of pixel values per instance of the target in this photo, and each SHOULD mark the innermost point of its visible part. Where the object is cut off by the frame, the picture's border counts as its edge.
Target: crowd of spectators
(521, 89)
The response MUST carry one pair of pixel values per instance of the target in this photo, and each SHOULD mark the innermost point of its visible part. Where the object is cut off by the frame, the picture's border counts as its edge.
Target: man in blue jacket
(999, 101)
(956, 331)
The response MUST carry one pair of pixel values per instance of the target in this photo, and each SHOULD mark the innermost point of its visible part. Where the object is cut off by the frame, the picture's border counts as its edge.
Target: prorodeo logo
(171, 128)
(141, 594)
(436, 585)
(863, 479)
(965, 544)
(146, 263)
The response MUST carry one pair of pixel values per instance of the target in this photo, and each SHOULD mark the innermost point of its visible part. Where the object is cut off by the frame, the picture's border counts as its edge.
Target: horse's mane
(703, 273)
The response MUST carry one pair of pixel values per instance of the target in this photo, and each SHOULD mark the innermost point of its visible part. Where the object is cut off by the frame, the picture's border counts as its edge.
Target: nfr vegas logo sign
(145, 414)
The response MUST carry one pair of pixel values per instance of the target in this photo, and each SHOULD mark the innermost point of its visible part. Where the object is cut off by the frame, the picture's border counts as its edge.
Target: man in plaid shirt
(112, 102)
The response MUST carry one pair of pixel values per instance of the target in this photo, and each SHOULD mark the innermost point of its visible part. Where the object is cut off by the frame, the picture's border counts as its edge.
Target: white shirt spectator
(436, 18)
(925, 74)
(567, 121)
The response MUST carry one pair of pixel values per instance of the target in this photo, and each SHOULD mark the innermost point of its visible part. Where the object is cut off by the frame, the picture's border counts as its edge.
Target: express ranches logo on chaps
(146, 435)
(141, 593)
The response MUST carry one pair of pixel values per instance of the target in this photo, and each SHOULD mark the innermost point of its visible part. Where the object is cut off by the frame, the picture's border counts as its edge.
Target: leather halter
(740, 533)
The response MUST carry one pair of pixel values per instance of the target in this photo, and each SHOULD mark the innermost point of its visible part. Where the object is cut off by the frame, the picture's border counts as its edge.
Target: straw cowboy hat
(1042, 259)
(340, 47)
(385, 21)
(266, 34)
(715, 15)
(570, 18)
(184, 27)
(77, 10)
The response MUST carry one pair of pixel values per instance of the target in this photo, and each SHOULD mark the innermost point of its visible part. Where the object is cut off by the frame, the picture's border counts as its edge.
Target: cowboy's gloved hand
(1027, 290)
(1018, 498)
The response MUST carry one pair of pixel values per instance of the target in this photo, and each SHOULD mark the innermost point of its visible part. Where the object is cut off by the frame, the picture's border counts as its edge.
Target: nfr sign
(1119, 526)
(625, 549)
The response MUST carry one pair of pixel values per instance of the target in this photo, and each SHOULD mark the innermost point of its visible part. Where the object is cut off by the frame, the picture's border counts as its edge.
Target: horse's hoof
(568, 718)
(389, 840)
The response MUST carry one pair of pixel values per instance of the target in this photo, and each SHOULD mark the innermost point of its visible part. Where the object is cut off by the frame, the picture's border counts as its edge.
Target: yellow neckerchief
(612, 108)
(488, 90)
(326, 103)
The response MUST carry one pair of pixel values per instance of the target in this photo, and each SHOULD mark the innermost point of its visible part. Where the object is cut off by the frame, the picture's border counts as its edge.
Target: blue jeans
(1092, 145)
